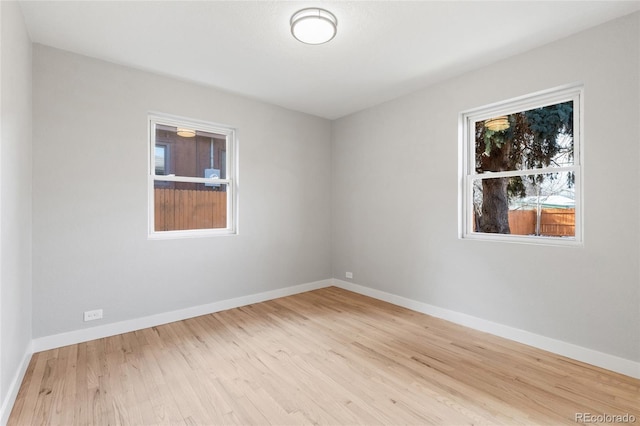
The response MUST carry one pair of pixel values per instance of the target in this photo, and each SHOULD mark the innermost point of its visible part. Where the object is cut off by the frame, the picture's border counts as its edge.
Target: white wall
(395, 201)
(15, 202)
(90, 246)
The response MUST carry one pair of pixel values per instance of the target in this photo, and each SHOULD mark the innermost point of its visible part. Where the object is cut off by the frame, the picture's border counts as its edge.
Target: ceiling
(383, 49)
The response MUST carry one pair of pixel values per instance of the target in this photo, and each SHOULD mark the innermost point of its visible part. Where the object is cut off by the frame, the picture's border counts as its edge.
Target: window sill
(196, 233)
(524, 239)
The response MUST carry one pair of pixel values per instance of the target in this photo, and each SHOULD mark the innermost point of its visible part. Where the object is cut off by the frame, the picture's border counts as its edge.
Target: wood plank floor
(324, 357)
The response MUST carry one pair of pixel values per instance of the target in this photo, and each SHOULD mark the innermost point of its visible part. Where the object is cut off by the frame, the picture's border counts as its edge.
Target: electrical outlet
(93, 315)
(349, 275)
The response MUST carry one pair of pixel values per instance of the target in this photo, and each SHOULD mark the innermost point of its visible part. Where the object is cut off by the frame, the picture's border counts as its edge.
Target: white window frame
(231, 180)
(467, 166)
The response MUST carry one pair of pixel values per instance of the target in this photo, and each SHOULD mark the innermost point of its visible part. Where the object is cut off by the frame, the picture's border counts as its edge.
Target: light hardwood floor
(324, 357)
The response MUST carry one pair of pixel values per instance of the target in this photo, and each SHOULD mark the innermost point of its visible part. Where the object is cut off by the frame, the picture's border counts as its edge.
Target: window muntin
(521, 169)
(192, 178)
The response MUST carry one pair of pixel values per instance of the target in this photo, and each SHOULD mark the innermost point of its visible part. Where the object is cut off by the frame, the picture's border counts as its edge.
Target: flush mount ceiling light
(185, 133)
(497, 123)
(314, 25)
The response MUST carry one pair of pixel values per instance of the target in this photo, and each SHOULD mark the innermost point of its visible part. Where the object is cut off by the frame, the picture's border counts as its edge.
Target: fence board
(522, 222)
(182, 209)
(553, 222)
(558, 222)
(158, 213)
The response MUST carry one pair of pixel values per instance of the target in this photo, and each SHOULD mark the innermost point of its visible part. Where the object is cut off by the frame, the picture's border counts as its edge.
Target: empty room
(319, 212)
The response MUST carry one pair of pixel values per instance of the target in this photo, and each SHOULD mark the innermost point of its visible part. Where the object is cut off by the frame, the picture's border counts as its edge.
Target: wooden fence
(553, 222)
(181, 209)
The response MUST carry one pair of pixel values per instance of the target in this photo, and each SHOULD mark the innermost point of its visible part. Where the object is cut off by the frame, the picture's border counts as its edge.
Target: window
(192, 178)
(520, 168)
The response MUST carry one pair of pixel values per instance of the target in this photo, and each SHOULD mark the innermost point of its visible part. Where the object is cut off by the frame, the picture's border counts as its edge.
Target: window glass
(161, 159)
(191, 155)
(194, 207)
(536, 138)
(536, 205)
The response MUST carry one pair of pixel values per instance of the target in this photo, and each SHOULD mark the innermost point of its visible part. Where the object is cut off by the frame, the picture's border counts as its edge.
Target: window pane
(191, 152)
(532, 139)
(182, 206)
(542, 205)
(161, 159)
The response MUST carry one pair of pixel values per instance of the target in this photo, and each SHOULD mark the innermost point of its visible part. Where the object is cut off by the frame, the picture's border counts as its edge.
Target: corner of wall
(15, 203)
(7, 403)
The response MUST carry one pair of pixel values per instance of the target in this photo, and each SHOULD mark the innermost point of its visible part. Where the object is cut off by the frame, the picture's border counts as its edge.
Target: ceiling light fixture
(497, 123)
(314, 25)
(186, 133)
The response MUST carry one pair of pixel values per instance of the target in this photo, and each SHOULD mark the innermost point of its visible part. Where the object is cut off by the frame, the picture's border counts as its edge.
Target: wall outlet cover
(93, 315)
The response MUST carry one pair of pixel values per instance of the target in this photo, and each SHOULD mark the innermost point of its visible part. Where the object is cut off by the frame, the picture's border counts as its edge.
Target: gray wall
(385, 209)
(395, 200)
(15, 195)
(90, 197)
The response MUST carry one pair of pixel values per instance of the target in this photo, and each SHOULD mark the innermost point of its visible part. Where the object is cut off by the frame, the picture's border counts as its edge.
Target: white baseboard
(14, 387)
(589, 356)
(86, 334)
